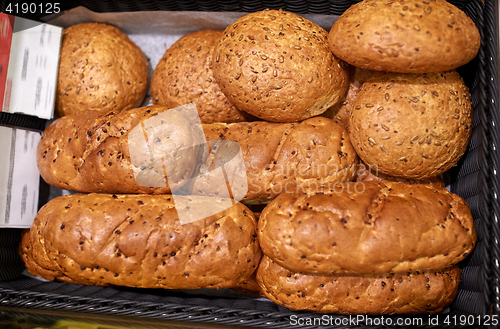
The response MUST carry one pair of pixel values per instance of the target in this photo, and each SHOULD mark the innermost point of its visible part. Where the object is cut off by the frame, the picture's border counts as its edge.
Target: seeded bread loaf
(368, 228)
(91, 154)
(138, 241)
(277, 66)
(405, 36)
(100, 69)
(413, 126)
(184, 75)
(373, 294)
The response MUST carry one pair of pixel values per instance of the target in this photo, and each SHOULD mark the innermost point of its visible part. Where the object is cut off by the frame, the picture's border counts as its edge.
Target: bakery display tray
(475, 178)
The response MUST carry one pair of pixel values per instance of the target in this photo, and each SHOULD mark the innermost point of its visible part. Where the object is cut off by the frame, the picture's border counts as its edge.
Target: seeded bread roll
(373, 294)
(277, 66)
(410, 125)
(92, 154)
(184, 75)
(138, 241)
(405, 36)
(371, 173)
(368, 228)
(100, 69)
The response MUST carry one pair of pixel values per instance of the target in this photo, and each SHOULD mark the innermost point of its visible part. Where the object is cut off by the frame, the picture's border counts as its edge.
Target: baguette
(138, 241)
(373, 294)
(91, 154)
(368, 228)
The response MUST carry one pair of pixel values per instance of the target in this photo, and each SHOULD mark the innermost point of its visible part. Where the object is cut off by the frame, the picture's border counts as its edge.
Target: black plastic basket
(475, 178)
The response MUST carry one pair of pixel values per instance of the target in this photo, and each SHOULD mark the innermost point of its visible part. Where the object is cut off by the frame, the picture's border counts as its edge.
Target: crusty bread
(100, 69)
(368, 228)
(289, 157)
(91, 153)
(277, 66)
(410, 36)
(138, 241)
(374, 294)
(414, 126)
(370, 173)
(184, 75)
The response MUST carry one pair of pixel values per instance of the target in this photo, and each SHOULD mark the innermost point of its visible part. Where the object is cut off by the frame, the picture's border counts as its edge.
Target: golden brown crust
(374, 294)
(342, 110)
(289, 157)
(100, 69)
(91, 153)
(368, 228)
(250, 286)
(184, 75)
(405, 36)
(371, 173)
(138, 241)
(414, 126)
(277, 66)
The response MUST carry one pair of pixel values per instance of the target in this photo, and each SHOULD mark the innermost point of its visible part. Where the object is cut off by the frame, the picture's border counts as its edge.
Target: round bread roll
(405, 36)
(374, 294)
(371, 174)
(100, 69)
(277, 66)
(184, 75)
(412, 126)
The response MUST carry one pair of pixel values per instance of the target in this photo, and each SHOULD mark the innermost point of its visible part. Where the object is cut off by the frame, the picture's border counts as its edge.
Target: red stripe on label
(6, 27)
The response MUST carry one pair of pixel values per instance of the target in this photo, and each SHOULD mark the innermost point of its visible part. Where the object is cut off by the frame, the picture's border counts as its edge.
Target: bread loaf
(413, 126)
(277, 66)
(91, 153)
(405, 36)
(373, 294)
(100, 69)
(138, 241)
(184, 75)
(368, 228)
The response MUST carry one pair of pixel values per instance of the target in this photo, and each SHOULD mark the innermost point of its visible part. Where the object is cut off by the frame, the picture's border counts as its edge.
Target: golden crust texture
(184, 75)
(368, 228)
(341, 111)
(295, 157)
(92, 154)
(373, 294)
(138, 241)
(371, 173)
(100, 69)
(277, 66)
(410, 36)
(413, 126)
